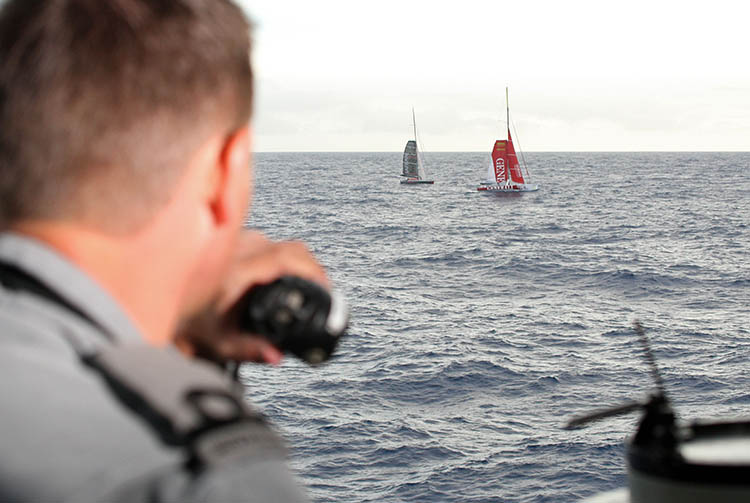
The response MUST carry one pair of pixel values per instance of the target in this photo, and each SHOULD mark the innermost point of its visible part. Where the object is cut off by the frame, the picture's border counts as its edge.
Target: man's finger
(270, 263)
(248, 348)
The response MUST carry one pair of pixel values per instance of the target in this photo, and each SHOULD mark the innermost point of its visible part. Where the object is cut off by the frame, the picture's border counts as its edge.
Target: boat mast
(416, 143)
(414, 123)
(507, 115)
(507, 112)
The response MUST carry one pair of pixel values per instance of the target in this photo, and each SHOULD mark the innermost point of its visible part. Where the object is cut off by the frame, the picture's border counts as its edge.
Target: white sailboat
(413, 163)
(504, 174)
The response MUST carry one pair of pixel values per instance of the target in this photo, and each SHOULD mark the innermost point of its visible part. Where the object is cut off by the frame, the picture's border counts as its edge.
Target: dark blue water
(480, 323)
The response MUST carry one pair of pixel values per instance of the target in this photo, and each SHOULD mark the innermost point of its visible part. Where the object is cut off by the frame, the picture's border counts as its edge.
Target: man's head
(125, 143)
(103, 103)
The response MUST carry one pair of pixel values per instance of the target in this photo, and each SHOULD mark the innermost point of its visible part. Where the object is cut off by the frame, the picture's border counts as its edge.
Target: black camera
(296, 315)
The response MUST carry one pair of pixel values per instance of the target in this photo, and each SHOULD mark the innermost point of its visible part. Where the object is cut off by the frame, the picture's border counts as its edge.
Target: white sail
(420, 164)
(490, 172)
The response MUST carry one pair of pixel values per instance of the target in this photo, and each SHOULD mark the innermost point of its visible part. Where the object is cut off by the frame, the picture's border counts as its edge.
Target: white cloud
(584, 75)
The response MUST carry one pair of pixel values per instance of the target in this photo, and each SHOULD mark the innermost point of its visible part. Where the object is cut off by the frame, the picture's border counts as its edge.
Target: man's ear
(231, 190)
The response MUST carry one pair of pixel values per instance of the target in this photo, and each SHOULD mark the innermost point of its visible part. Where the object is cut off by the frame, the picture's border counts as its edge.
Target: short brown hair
(101, 102)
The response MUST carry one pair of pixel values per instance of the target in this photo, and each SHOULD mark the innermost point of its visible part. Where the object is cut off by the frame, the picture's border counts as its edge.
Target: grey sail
(411, 166)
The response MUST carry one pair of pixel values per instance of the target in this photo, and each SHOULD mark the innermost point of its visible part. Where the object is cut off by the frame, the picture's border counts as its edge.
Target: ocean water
(480, 324)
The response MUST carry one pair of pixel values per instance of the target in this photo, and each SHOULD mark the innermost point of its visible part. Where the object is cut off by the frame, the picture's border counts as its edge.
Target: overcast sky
(342, 75)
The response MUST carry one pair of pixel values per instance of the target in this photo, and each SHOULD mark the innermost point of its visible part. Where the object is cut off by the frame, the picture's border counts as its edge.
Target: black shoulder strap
(187, 403)
(15, 278)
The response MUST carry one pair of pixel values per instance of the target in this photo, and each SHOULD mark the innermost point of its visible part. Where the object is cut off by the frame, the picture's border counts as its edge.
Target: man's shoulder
(61, 425)
(67, 435)
(72, 399)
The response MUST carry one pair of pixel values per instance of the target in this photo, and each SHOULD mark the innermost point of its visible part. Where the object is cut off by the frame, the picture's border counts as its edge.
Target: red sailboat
(504, 174)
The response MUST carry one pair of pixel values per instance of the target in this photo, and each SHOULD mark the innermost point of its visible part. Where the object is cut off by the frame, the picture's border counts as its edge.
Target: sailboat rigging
(413, 163)
(504, 174)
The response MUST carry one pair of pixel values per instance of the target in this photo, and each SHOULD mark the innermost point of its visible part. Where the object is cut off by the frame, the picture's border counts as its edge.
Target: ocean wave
(479, 325)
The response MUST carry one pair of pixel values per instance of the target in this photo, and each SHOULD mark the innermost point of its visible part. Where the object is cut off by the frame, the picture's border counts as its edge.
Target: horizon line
(525, 151)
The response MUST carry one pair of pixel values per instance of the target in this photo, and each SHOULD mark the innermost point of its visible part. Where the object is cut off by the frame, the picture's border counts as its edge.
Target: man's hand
(211, 334)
